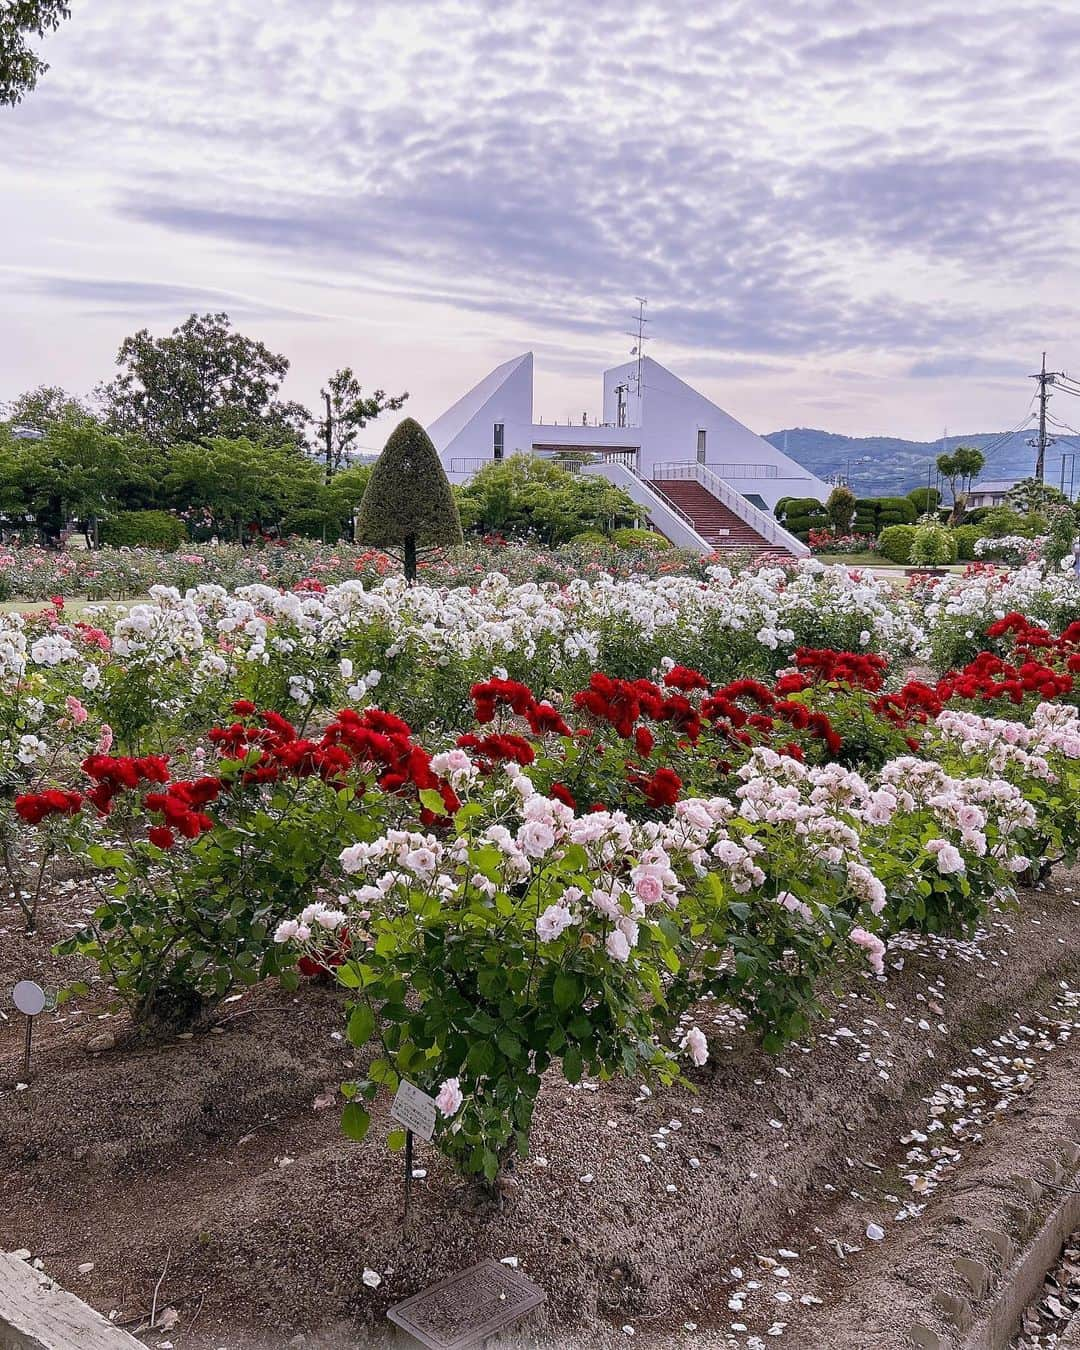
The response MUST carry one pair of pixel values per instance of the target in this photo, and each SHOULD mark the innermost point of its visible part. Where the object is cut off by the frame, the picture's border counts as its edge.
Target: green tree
(959, 470)
(347, 412)
(840, 508)
(1034, 498)
(408, 504)
(241, 483)
(77, 469)
(329, 513)
(527, 496)
(40, 408)
(20, 65)
(925, 500)
(202, 382)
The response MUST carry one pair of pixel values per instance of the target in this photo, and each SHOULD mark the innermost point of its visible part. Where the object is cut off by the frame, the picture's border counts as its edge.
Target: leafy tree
(20, 66)
(925, 500)
(201, 383)
(1061, 533)
(1034, 498)
(408, 504)
(241, 483)
(329, 513)
(959, 470)
(347, 412)
(76, 469)
(527, 496)
(840, 508)
(40, 408)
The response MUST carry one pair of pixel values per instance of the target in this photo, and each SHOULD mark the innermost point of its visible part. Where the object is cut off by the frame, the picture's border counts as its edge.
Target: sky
(847, 214)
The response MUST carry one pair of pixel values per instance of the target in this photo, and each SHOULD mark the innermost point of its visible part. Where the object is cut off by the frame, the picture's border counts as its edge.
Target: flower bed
(513, 834)
(704, 789)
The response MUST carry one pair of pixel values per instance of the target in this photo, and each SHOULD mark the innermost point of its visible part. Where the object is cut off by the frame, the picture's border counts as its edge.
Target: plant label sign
(414, 1109)
(462, 1311)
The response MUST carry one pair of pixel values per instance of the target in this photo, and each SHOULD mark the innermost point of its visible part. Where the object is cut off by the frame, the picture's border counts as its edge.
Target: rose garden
(597, 863)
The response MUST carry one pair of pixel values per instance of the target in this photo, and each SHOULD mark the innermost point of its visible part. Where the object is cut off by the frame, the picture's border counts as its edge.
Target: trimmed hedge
(143, 529)
(966, 536)
(895, 543)
(628, 537)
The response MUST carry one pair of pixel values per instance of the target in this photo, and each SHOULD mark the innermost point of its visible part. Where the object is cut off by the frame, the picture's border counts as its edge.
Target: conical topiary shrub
(407, 505)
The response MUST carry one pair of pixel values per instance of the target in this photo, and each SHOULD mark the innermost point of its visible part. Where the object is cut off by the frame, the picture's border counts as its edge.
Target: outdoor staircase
(714, 521)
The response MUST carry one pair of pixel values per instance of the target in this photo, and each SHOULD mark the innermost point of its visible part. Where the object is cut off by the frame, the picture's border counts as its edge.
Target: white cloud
(799, 186)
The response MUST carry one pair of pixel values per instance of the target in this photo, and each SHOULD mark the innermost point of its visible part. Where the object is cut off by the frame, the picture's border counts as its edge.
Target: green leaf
(481, 1057)
(433, 801)
(355, 1121)
(395, 1140)
(348, 976)
(361, 1025)
(572, 1065)
(567, 990)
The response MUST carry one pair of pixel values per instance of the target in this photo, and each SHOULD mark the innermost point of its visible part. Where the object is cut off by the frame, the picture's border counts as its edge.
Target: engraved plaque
(414, 1109)
(458, 1313)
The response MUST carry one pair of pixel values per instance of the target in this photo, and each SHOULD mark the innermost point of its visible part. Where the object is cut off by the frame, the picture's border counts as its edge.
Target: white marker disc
(29, 997)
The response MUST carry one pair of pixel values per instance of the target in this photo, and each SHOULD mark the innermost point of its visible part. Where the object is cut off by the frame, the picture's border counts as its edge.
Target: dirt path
(631, 1211)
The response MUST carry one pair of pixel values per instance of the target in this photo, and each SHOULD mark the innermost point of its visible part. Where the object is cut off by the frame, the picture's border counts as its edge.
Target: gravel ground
(218, 1161)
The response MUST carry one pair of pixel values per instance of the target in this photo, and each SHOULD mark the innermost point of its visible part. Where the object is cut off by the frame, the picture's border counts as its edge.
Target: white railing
(743, 470)
(679, 525)
(766, 525)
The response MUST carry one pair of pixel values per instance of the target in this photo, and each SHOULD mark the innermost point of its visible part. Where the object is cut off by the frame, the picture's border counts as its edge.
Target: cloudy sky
(850, 214)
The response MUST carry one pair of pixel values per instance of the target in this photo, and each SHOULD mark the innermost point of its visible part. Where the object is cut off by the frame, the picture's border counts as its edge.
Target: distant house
(990, 492)
(705, 480)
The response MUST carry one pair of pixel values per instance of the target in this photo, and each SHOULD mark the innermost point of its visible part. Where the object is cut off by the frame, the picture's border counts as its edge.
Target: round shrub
(592, 539)
(143, 529)
(631, 538)
(924, 499)
(895, 543)
(965, 536)
(933, 545)
(900, 505)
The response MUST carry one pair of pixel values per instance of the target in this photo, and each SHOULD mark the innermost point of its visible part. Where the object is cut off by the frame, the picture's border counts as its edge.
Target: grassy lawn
(855, 559)
(876, 560)
(74, 605)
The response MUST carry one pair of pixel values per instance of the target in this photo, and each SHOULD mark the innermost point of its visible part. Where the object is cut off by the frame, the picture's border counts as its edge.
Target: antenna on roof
(638, 349)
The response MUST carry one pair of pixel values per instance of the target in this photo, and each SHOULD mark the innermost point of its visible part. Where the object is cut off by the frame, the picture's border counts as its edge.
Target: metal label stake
(29, 998)
(415, 1110)
(408, 1173)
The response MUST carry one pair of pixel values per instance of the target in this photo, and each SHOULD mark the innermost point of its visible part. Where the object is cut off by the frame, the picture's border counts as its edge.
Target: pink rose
(450, 1098)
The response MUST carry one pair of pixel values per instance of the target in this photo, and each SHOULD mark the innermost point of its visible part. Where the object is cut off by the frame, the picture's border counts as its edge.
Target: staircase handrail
(766, 525)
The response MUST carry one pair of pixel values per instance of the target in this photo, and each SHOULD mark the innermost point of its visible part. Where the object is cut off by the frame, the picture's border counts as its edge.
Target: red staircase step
(714, 521)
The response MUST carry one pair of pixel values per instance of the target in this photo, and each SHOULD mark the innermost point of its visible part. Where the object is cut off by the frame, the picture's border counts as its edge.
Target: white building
(705, 480)
(990, 492)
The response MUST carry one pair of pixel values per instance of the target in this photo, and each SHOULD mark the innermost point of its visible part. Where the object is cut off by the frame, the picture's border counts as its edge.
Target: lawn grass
(74, 605)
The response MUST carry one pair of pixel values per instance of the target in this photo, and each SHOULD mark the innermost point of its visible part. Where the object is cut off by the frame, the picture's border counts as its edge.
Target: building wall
(671, 414)
(463, 434)
(663, 416)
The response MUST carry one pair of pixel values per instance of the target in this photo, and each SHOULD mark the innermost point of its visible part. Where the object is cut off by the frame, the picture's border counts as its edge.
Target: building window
(498, 442)
(701, 445)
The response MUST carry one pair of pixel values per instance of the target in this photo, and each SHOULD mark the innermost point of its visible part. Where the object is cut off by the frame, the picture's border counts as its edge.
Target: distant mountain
(888, 466)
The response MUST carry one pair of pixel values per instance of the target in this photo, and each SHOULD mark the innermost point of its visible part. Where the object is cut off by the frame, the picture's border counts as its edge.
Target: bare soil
(214, 1165)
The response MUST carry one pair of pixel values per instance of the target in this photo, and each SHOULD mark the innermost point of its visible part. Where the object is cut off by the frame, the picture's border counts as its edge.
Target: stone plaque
(460, 1312)
(414, 1109)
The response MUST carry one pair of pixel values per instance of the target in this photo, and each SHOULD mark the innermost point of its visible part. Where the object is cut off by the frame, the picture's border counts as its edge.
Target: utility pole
(1046, 378)
(328, 436)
